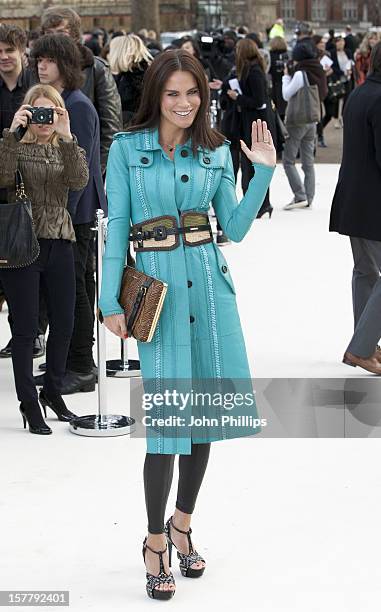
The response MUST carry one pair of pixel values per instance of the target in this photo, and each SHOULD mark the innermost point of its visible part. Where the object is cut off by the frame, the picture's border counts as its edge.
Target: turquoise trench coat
(199, 335)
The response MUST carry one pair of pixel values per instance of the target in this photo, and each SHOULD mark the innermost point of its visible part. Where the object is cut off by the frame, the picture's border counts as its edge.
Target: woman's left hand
(262, 147)
(62, 123)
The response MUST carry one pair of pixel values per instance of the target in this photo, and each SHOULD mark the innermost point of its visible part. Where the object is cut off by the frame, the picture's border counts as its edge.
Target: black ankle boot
(58, 406)
(31, 412)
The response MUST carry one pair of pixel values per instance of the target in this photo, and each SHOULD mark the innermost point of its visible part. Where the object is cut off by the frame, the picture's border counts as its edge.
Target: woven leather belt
(162, 233)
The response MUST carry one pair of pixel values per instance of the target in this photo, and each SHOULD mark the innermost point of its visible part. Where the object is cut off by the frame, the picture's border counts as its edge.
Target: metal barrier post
(101, 424)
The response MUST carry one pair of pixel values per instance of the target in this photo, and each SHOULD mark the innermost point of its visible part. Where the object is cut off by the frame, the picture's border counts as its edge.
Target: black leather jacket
(100, 87)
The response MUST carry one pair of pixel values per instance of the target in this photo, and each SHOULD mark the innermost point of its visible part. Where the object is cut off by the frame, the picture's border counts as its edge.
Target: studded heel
(153, 581)
(186, 560)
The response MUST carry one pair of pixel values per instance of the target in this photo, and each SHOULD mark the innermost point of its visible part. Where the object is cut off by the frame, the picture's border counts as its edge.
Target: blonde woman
(362, 56)
(51, 163)
(129, 58)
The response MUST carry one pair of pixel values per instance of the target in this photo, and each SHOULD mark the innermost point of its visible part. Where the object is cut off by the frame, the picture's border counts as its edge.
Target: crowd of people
(99, 76)
(150, 134)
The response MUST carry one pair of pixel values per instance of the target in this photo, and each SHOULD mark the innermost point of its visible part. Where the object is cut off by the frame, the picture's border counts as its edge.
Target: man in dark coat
(351, 41)
(99, 84)
(56, 57)
(356, 212)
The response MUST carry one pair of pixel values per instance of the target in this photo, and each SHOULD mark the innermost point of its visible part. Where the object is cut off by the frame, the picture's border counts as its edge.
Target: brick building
(322, 12)
(175, 15)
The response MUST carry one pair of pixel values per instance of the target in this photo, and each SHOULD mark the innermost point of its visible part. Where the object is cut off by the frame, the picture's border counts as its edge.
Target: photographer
(278, 55)
(302, 137)
(51, 163)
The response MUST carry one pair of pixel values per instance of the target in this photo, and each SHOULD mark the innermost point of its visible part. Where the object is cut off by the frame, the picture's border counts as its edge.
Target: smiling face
(180, 100)
(10, 59)
(42, 132)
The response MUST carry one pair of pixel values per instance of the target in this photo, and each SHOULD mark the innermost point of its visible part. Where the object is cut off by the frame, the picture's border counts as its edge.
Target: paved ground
(333, 139)
(289, 524)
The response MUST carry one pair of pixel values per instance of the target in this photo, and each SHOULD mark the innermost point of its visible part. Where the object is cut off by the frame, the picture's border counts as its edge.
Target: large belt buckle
(190, 220)
(160, 232)
(154, 233)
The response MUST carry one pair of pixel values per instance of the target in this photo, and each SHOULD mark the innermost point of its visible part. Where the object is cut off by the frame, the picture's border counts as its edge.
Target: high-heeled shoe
(186, 560)
(268, 209)
(162, 578)
(58, 406)
(31, 412)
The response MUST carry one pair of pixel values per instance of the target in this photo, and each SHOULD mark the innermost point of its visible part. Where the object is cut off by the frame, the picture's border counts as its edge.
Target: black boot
(58, 406)
(31, 412)
(7, 350)
(75, 382)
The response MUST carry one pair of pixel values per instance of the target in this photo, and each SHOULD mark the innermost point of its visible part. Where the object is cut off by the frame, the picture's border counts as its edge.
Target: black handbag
(19, 246)
(337, 89)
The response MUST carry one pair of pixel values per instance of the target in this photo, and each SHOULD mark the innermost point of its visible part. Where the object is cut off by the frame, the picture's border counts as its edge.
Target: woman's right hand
(116, 323)
(21, 117)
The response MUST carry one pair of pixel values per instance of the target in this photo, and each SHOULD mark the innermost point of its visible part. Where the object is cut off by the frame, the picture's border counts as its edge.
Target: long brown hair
(247, 53)
(155, 78)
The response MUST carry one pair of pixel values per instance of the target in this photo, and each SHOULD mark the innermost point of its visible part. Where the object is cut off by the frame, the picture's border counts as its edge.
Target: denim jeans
(301, 138)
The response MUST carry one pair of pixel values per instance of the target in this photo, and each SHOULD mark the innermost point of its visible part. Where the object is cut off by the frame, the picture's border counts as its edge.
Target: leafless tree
(145, 14)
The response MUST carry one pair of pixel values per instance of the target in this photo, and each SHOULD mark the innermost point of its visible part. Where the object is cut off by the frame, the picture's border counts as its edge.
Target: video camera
(283, 62)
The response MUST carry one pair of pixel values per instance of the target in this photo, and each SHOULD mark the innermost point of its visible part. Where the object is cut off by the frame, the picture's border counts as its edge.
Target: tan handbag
(142, 298)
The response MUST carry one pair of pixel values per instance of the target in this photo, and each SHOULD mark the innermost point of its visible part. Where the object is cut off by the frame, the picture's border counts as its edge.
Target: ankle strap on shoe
(158, 552)
(187, 533)
(180, 530)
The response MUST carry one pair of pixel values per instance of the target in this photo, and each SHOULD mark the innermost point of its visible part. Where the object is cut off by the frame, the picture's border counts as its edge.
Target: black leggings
(158, 473)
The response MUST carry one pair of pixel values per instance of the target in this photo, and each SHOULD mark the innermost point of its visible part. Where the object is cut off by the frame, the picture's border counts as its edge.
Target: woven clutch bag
(142, 298)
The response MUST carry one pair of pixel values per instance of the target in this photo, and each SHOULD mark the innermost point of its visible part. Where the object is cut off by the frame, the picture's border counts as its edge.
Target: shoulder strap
(19, 182)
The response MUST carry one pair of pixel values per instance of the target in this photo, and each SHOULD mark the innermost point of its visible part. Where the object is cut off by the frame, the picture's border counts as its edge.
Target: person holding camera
(301, 137)
(40, 144)
(278, 55)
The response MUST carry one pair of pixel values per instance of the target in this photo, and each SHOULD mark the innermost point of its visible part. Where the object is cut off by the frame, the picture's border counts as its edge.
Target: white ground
(286, 525)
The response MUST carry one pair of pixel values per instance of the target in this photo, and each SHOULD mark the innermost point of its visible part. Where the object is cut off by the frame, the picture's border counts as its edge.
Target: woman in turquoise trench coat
(198, 341)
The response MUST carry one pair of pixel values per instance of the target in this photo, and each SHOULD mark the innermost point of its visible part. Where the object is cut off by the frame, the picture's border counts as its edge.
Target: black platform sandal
(162, 578)
(186, 560)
